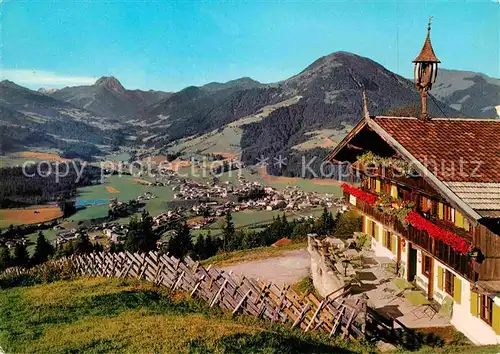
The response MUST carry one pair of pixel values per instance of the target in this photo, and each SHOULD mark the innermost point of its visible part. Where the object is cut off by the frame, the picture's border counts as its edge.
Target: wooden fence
(337, 314)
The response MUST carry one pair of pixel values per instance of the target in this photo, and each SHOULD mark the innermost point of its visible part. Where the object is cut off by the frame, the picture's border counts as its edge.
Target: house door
(412, 262)
(430, 284)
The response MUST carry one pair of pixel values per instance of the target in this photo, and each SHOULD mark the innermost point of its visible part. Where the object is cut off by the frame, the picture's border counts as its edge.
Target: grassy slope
(17, 158)
(103, 315)
(224, 259)
(129, 316)
(327, 138)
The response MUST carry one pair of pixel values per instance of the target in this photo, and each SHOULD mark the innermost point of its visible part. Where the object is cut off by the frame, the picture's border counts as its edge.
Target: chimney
(426, 67)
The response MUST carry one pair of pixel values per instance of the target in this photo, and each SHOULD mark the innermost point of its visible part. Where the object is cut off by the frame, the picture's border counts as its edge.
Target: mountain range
(473, 94)
(269, 119)
(108, 98)
(30, 119)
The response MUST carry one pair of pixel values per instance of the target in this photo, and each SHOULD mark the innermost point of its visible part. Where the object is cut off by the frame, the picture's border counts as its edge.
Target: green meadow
(124, 188)
(129, 316)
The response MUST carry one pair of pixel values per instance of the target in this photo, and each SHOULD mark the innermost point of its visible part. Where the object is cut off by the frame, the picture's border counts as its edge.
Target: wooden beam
(218, 293)
(197, 284)
(301, 315)
(177, 283)
(320, 307)
(338, 319)
(241, 301)
(348, 324)
(354, 147)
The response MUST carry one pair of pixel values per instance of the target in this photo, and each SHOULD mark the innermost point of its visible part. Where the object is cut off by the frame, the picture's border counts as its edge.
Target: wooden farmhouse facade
(429, 196)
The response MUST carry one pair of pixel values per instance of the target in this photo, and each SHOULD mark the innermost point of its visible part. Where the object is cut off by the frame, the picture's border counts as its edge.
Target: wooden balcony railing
(417, 183)
(448, 226)
(462, 264)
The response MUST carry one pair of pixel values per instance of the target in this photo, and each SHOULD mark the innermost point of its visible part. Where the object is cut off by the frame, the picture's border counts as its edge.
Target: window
(387, 240)
(466, 224)
(386, 188)
(405, 194)
(365, 184)
(426, 265)
(486, 308)
(373, 228)
(394, 191)
(449, 282)
(425, 205)
(449, 213)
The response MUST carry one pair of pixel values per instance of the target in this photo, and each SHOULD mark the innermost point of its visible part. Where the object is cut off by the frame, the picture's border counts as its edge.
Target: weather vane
(430, 22)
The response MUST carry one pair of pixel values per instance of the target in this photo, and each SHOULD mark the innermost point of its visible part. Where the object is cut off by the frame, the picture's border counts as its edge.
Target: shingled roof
(443, 145)
(464, 154)
(458, 155)
(427, 52)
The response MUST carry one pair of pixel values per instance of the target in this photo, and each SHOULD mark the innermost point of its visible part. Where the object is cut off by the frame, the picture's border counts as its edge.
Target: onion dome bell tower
(426, 68)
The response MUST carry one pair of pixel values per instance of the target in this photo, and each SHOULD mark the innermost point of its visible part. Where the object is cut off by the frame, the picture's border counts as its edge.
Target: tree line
(44, 250)
(141, 237)
(17, 189)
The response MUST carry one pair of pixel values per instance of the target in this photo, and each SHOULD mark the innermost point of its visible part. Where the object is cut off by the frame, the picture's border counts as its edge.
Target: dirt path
(287, 268)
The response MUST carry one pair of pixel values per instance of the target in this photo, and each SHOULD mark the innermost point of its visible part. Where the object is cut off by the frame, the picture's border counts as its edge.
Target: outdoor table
(384, 262)
(403, 284)
(416, 298)
(401, 287)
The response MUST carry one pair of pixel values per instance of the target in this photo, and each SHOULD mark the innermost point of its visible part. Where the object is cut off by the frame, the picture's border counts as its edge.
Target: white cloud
(40, 78)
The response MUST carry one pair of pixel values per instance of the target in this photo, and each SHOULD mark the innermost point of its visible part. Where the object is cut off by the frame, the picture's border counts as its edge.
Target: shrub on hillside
(62, 269)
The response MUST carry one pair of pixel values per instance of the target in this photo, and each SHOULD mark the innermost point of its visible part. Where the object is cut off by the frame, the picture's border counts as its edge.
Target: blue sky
(169, 45)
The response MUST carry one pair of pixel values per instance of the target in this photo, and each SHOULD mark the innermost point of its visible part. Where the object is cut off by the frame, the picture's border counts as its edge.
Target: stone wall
(325, 279)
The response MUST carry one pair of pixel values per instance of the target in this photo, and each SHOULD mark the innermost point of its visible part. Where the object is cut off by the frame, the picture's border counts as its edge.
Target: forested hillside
(332, 89)
(44, 184)
(196, 111)
(29, 118)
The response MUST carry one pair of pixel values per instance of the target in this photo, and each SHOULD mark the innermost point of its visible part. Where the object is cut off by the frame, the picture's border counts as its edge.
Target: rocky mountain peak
(339, 71)
(10, 84)
(48, 90)
(110, 82)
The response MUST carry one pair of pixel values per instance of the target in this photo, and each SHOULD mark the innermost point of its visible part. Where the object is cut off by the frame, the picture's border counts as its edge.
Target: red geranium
(359, 194)
(454, 241)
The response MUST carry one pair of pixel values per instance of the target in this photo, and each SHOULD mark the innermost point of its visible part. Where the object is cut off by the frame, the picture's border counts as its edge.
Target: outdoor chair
(393, 294)
(446, 309)
(429, 311)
